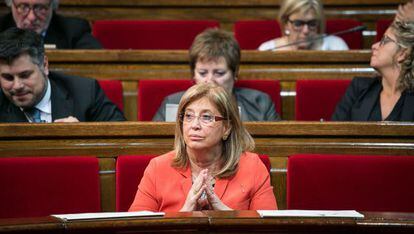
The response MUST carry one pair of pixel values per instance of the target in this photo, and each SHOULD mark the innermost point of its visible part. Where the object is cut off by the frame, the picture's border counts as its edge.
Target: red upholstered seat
(129, 171)
(354, 40)
(266, 161)
(151, 93)
(251, 33)
(113, 90)
(149, 34)
(40, 186)
(360, 182)
(381, 27)
(317, 99)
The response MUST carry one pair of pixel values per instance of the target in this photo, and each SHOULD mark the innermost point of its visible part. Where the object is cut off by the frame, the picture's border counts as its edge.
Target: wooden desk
(131, 66)
(276, 139)
(216, 222)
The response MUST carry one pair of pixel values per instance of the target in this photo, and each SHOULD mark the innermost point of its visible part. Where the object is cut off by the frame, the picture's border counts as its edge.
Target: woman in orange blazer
(210, 168)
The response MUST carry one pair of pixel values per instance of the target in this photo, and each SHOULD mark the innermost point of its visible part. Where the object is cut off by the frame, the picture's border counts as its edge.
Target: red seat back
(381, 27)
(266, 161)
(129, 171)
(40, 186)
(350, 182)
(149, 34)
(251, 33)
(152, 92)
(317, 99)
(354, 40)
(113, 90)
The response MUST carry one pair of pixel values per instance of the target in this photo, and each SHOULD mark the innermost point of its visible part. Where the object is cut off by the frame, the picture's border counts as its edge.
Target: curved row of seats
(40, 186)
(315, 99)
(179, 34)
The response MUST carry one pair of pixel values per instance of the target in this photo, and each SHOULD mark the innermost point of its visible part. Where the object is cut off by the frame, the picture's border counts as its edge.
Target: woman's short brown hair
(213, 44)
(239, 139)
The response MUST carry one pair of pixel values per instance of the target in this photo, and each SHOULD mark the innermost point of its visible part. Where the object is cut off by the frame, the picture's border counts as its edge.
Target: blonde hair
(239, 139)
(404, 33)
(289, 7)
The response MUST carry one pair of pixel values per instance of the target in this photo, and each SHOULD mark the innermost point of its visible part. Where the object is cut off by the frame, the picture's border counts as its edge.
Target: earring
(225, 137)
(287, 32)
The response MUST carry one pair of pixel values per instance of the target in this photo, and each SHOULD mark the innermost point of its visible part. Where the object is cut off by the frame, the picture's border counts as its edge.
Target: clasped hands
(202, 194)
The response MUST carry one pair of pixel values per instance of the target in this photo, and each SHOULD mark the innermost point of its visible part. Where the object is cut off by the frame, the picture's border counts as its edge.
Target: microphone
(350, 30)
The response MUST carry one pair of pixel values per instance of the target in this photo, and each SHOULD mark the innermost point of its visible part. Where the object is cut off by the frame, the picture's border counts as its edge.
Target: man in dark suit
(58, 32)
(29, 92)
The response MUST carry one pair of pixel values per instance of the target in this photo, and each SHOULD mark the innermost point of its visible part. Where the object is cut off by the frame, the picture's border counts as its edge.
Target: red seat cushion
(149, 34)
(40, 186)
(317, 99)
(356, 182)
(152, 92)
(129, 171)
(113, 90)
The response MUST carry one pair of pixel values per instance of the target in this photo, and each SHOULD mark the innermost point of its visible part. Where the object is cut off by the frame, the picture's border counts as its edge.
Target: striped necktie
(34, 113)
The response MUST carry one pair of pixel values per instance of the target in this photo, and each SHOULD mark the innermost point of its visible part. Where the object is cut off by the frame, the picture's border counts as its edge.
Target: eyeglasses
(298, 24)
(385, 39)
(38, 9)
(205, 119)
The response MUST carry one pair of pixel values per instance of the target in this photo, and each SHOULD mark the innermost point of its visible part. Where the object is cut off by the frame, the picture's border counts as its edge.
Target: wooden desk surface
(217, 222)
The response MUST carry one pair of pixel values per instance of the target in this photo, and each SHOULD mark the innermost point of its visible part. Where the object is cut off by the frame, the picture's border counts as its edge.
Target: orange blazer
(164, 188)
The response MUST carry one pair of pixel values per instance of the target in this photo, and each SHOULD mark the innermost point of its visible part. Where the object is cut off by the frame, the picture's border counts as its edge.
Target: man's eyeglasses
(385, 39)
(298, 24)
(38, 9)
(205, 119)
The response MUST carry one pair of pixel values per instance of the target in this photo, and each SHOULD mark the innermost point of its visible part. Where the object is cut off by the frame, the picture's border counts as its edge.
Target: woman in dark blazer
(390, 95)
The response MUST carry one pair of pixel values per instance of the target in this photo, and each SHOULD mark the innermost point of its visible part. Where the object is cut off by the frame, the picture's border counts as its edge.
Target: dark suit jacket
(360, 99)
(70, 96)
(64, 32)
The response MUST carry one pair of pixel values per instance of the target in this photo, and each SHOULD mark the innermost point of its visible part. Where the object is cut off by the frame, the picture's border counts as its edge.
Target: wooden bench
(131, 66)
(276, 139)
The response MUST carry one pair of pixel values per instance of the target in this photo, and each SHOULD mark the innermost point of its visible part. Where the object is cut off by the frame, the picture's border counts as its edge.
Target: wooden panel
(276, 139)
(131, 66)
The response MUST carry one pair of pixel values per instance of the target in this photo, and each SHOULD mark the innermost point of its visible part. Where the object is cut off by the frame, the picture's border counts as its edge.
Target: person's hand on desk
(69, 119)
